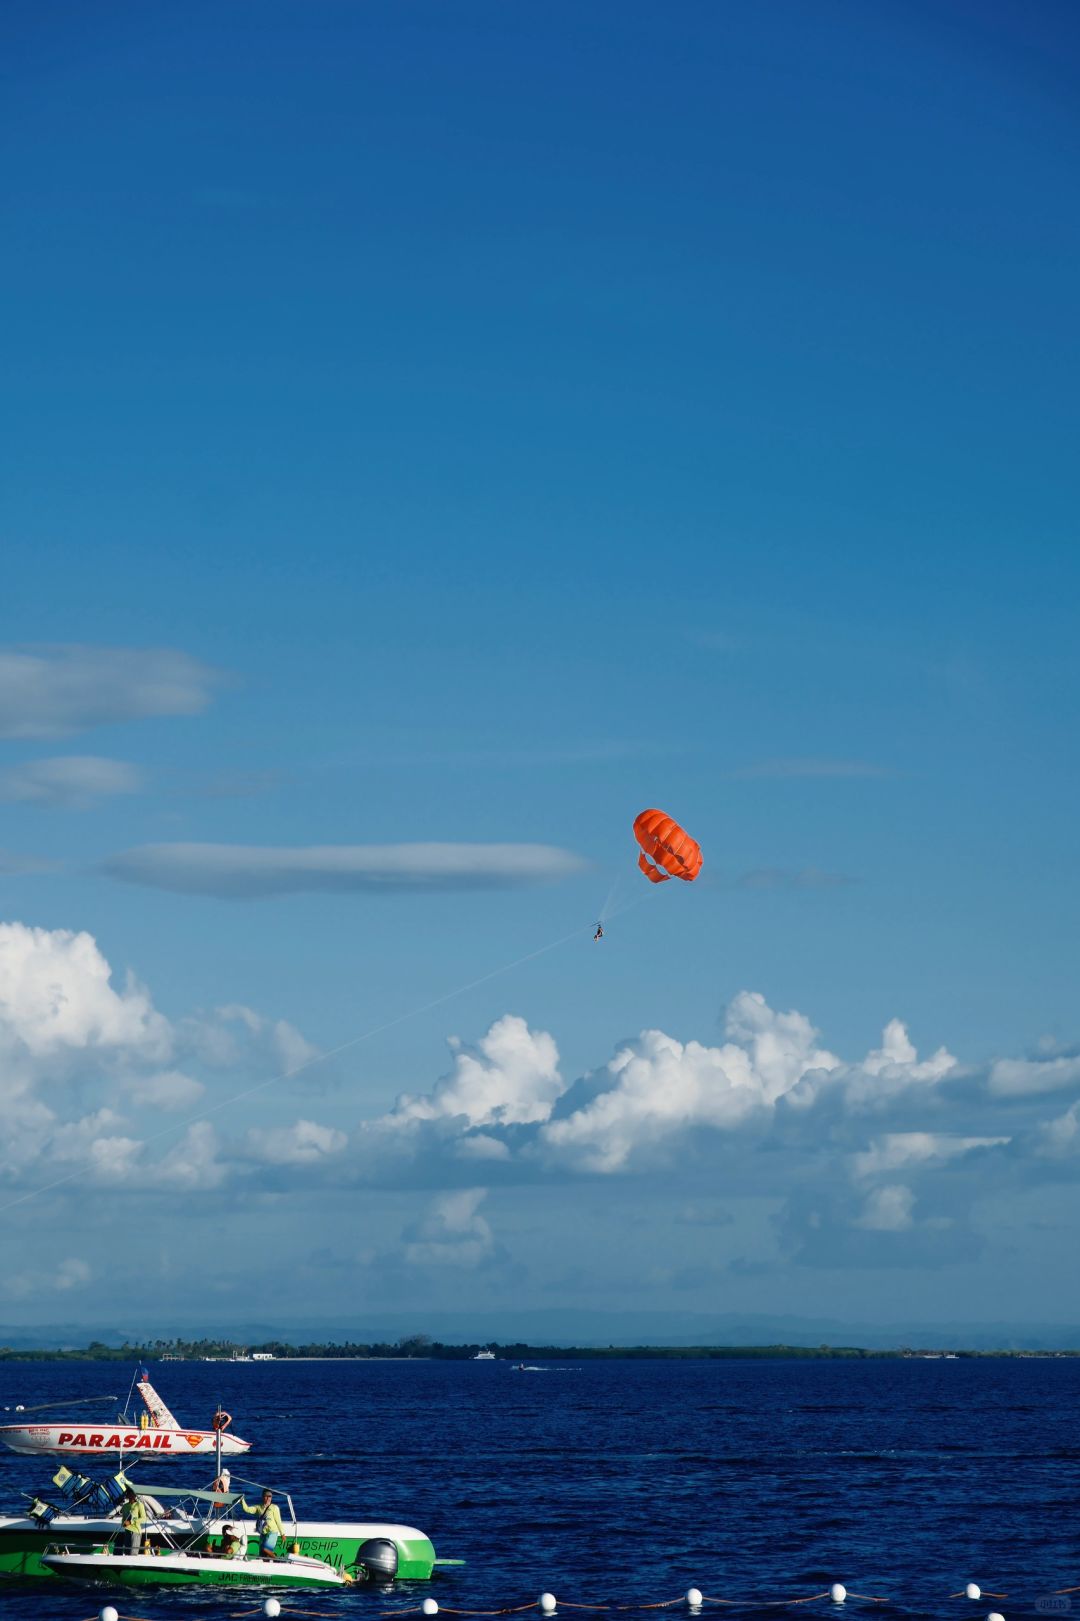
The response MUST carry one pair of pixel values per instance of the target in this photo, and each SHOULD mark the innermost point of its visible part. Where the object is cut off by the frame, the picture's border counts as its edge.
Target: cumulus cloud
(897, 1055)
(81, 1055)
(657, 1087)
(452, 1233)
(304, 1143)
(53, 690)
(247, 872)
(510, 1077)
(56, 996)
(877, 1160)
(71, 781)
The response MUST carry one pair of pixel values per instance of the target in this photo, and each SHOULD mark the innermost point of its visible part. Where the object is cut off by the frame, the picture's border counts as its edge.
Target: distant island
(420, 1347)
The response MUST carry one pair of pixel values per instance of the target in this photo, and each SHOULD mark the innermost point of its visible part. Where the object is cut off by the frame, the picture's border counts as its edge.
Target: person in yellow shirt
(268, 1525)
(132, 1520)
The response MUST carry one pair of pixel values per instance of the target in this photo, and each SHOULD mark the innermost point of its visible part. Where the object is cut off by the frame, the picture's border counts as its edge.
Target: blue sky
(494, 421)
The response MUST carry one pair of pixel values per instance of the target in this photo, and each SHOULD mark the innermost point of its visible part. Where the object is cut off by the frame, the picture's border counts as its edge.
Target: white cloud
(910, 1148)
(510, 1077)
(897, 1056)
(53, 690)
(1024, 1077)
(192, 1165)
(887, 1209)
(1059, 1138)
(56, 994)
(480, 1146)
(304, 1143)
(245, 872)
(79, 1053)
(453, 1233)
(657, 1086)
(71, 781)
(275, 1039)
(169, 1089)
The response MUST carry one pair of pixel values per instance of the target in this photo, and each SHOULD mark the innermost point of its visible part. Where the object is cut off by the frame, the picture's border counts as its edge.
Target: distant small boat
(484, 1356)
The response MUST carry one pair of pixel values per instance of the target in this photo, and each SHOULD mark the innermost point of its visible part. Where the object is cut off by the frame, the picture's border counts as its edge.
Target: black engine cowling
(379, 1557)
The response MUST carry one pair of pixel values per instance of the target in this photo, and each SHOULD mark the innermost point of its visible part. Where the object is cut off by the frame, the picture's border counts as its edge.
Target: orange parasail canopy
(677, 855)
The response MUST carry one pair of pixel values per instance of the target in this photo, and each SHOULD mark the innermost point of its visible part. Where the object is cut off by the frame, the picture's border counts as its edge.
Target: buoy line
(693, 1601)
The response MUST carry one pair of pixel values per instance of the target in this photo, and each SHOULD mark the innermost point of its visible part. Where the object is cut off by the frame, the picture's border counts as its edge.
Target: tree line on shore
(421, 1346)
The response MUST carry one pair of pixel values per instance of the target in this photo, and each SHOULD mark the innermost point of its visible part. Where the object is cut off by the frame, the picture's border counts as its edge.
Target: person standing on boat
(132, 1520)
(268, 1525)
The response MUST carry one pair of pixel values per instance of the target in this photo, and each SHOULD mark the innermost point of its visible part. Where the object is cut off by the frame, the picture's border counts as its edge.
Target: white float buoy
(973, 1590)
(109, 1614)
(272, 1608)
(838, 1592)
(430, 1607)
(547, 1603)
(693, 1597)
(994, 1616)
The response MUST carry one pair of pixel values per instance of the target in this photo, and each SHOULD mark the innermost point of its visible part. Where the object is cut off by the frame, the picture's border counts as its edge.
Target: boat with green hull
(84, 1518)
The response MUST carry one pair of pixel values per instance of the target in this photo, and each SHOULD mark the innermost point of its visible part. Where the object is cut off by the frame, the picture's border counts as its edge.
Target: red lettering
(144, 1441)
(166, 1443)
(79, 1441)
(113, 1442)
(64, 1437)
(94, 1440)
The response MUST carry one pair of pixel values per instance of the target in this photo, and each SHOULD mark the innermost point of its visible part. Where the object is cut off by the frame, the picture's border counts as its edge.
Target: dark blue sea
(627, 1482)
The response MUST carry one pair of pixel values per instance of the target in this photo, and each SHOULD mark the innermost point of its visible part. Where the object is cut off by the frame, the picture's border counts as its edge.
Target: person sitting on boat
(230, 1542)
(132, 1519)
(220, 1483)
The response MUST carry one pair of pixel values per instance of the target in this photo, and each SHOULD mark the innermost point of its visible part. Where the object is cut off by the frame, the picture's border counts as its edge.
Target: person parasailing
(599, 935)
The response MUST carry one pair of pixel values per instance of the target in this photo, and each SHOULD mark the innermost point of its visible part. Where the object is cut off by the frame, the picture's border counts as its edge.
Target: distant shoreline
(420, 1349)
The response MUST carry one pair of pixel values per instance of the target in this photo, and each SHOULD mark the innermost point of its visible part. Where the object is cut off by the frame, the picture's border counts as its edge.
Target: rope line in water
(762, 1604)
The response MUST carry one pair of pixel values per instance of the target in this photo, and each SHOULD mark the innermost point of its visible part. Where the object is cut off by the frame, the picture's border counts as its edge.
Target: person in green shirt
(132, 1520)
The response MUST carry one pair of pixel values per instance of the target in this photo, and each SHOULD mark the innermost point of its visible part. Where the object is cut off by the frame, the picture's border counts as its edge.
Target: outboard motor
(379, 1557)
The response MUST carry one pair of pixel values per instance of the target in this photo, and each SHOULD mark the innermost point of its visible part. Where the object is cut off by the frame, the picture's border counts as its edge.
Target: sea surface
(627, 1482)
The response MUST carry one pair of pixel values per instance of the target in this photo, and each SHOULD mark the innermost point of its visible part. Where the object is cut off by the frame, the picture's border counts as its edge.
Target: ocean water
(627, 1482)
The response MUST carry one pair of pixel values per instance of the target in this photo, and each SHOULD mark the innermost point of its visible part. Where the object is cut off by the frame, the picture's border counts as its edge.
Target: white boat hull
(183, 1569)
(69, 1441)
